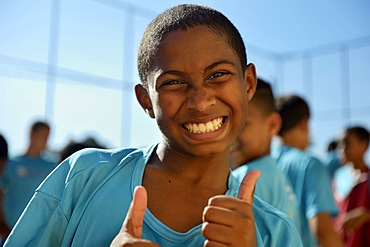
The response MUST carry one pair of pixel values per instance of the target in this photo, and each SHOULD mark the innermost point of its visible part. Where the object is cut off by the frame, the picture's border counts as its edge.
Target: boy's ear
(143, 98)
(250, 78)
(275, 123)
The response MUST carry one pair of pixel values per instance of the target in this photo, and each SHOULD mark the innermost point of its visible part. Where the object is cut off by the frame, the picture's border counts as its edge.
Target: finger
(133, 223)
(123, 240)
(223, 215)
(246, 190)
(228, 235)
(209, 243)
(211, 231)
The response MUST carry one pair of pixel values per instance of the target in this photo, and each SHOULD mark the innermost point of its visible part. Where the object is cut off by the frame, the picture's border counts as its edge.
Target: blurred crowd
(328, 198)
(23, 173)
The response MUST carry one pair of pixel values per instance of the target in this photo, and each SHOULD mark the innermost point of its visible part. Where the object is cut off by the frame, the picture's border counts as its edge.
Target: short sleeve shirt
(312, 185)
(85, 200)
(272, 186)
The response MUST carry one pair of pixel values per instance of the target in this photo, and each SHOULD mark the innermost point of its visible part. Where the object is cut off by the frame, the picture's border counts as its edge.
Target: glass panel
(91, 38)
(293, 78)
(359, 77)
(22, 101)
(327, 93)
(82, 111)
(24, 29)
(322, 132)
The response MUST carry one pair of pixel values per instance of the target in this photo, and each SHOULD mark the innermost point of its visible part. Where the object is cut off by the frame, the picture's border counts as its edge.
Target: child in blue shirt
(251, 151)
(309, 177)
(196, 84)
(23, 173)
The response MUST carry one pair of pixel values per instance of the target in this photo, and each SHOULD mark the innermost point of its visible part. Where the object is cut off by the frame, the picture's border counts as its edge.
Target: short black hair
(3, 148)
(264, 97)
(359, 132)
(182, 17)
(332, 145)
(39, 125)
(73, 147)
(292, 109)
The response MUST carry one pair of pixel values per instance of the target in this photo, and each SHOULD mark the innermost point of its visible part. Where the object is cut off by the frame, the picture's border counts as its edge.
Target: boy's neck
(210, 171)
(33, 152)
(179, 187)
(360, 165)
(293, 138)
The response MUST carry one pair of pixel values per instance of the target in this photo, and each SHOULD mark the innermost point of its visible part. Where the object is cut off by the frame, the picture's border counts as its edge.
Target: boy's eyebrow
(170, 72)
(215, 64)
(209, 67)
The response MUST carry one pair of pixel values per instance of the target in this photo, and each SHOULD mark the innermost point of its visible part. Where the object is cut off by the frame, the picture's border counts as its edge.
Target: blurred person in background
(3, 153)
(4, 228)
(74, 146)
(23, 173)
(332, 159)
(251, 151)
(353, 198)
(309, 177)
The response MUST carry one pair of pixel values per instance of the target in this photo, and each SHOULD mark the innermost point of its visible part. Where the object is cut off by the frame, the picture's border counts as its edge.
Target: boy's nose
(201, 99)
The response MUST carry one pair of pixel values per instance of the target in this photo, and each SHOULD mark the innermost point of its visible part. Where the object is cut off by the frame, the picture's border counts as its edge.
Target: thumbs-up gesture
(132, 227)
(229, 221)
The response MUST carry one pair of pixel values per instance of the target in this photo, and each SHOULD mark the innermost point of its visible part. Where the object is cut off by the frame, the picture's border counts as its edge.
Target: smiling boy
(196, 84)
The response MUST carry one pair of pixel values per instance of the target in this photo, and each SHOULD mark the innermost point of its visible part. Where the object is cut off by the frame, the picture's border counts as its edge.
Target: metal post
(308, 76)
(127, 75)
(345, 81)
(279, 72)
(52, 63)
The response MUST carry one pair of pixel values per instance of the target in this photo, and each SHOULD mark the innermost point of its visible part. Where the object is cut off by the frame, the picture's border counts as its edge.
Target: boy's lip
(205, 126)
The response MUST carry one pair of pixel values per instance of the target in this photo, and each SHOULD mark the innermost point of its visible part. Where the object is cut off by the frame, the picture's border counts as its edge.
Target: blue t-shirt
(20, 179)
(85, 200)
(312, 185)
(272, 186)
(332, 162)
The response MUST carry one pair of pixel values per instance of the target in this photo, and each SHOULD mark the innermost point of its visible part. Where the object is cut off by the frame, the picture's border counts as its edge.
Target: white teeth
(201, 128)
(195, 128)
(209, 126)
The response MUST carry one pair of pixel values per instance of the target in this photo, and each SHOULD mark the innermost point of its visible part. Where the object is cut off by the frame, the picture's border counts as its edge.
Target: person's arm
(321, 226)
(354, 219)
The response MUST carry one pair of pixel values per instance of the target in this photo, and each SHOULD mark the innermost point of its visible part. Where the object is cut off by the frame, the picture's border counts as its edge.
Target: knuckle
(206, 243)
(209, 213)
(206, 229)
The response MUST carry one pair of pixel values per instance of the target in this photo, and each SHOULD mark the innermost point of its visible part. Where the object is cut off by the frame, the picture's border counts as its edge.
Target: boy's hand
(132, 228)
(229, 221)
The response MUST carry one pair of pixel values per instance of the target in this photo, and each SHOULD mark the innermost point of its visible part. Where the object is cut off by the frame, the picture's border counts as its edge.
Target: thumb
(133, 223)
(246, 189)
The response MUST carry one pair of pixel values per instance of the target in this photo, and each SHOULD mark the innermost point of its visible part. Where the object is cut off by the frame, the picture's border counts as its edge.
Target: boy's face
(39, 138)
(351, 148)
(198, 92)
(254, 139)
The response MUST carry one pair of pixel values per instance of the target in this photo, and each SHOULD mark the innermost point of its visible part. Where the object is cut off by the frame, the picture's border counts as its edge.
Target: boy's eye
(172, 82)
(217, 74)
